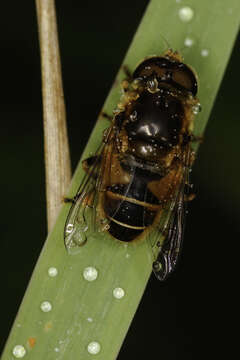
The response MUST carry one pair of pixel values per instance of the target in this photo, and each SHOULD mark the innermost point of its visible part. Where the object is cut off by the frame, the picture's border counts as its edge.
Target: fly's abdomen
(129, 216)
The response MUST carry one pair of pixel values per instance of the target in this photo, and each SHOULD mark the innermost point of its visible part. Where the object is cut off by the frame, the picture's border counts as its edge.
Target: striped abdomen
(131, 209)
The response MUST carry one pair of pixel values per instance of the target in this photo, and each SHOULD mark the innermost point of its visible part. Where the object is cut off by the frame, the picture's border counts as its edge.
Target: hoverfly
(135, 184)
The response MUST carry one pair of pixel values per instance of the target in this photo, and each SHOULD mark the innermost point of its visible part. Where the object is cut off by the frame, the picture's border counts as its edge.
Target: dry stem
(57, 158)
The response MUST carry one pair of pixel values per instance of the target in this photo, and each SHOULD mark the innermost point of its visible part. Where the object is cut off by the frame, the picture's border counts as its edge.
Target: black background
(175, 319)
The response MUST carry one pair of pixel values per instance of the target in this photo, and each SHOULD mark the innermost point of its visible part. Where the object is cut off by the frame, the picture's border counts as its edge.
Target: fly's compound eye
(183, 76)
(169, 71)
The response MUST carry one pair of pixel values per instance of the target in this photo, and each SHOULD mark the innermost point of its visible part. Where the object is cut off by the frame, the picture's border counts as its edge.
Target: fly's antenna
(170, 52)
(167, 44)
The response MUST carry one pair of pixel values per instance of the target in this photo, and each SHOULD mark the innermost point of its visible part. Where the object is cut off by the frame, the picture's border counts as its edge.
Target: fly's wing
(82, 214)
(173, 228)
(169, 252)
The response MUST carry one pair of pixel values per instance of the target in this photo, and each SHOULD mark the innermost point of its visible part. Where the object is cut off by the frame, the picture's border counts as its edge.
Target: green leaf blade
(85, 311)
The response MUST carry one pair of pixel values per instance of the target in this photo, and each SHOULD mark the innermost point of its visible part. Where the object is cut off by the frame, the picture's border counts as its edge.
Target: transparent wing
(172, 228)
(104, 174)
(169, 252)
(82, 214)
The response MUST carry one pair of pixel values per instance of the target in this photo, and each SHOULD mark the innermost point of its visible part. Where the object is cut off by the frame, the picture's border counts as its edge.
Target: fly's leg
(127, 73)
(86, 164)
(189, 195)
(187, 138)
(106, 116)
(71, 200)
(197, 139)
(87, 200)
(130, 89)
(125, 84)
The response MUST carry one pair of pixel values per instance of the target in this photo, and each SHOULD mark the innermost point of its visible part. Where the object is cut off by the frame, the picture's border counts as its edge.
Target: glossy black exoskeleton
(136, 180)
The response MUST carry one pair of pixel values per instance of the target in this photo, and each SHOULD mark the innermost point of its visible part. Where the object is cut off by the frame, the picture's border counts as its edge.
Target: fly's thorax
(150, 126)
(168, 73)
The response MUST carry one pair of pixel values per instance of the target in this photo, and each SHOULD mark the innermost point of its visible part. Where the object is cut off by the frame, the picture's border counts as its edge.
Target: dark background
(175, 319)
